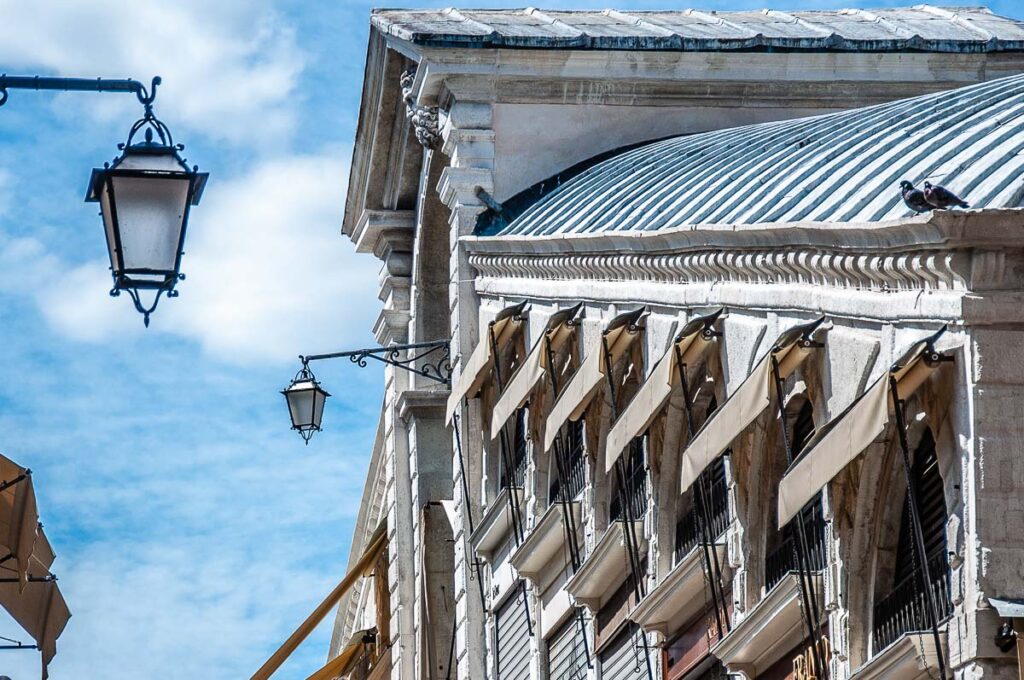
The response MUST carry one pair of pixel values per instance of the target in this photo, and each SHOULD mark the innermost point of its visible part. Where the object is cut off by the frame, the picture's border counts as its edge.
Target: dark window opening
(519, 453)
(904, 609)
(687, 528)
(782, 559)
(632, 490)
(574, 464)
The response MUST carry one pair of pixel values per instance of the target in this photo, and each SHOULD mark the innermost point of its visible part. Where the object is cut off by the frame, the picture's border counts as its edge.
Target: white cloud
(269, 276)
(229, 68)
(6, 180)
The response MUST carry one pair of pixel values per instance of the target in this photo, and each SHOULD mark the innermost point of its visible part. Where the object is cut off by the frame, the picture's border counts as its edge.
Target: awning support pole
(568, 516)
(514, 509)
(505, 446)
(50, 578)
(4, 486)
(915, 521)
(811, 612)
(625, 493)
(468, 503)
(325, 607)
(712, 568)
(561, 469)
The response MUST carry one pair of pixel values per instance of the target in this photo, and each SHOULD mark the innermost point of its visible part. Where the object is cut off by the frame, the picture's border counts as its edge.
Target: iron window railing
(575, 461)
(636, 486)
(519, 453)
(687, 529)
(904, 610)
(783, 559)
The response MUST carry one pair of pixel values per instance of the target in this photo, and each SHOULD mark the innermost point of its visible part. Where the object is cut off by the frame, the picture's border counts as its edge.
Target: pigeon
(914, 198)
(942, 198)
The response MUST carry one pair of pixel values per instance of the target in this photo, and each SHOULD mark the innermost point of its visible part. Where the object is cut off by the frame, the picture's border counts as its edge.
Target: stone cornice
(472, 70)
(422, 404)
(376, 227)
(940, 251)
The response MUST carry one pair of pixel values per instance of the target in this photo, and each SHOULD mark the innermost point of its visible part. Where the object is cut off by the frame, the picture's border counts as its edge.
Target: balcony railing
(575, 461)
(636, 488)
(687, 529)
(519, 454)
(783, 559)
(518, 474)
(904, 610)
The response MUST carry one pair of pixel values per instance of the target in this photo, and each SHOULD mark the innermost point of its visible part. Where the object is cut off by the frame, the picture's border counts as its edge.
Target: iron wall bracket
(426, 359)
(144, 96)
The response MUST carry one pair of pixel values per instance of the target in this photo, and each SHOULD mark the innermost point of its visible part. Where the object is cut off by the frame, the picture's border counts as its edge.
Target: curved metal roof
(922, 27)
(839, 167)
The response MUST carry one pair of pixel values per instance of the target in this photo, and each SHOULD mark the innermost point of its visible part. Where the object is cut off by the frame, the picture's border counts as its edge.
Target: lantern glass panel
(150, 214)
(319, 398)
(305, 404)
(108, 226)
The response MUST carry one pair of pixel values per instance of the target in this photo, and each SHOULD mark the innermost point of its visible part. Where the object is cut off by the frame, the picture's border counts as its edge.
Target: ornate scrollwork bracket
(430, 360)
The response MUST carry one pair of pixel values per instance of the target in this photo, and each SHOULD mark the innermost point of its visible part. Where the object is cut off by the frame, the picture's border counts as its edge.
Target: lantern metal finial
(145, 196)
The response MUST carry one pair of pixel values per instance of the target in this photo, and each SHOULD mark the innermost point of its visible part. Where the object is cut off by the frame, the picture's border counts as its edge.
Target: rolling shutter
(623, 659)
(513, 633)
(567, 655)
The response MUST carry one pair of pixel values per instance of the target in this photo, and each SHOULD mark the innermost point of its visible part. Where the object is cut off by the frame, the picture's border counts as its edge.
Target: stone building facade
(696, 345)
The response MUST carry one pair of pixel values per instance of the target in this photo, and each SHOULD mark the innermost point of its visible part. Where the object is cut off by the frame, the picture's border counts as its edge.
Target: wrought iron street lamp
(306, 401)
(145, 194)
(306, 398)
(144, 198)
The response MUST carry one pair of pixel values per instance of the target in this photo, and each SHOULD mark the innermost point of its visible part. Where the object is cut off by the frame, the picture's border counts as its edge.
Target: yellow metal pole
(302, 632)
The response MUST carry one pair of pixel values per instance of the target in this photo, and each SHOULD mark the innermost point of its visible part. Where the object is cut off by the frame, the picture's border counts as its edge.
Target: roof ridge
(953, 28)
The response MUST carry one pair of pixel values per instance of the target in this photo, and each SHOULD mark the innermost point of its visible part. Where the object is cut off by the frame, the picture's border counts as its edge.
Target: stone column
(469, 143)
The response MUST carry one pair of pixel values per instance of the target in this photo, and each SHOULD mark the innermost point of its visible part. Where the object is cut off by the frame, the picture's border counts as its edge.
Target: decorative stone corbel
(425, 119)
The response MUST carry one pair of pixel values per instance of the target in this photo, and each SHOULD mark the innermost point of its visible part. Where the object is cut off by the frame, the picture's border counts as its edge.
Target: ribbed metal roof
(839, 167)
(922, 27)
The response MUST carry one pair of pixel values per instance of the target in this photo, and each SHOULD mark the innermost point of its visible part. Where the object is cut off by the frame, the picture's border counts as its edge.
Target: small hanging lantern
(306, 401)
(144, 198)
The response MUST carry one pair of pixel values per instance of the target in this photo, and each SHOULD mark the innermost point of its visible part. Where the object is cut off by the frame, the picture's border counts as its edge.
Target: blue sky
(193, 529)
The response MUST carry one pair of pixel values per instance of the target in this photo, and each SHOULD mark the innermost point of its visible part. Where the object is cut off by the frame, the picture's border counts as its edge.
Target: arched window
(781, 554)
(903, 610)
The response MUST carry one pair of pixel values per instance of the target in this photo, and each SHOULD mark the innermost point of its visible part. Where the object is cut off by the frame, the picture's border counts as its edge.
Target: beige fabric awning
(843, 438)
(689, 344)
(19, 517)
(37, 606)
(377, 543)
(560, 329)
(476, 369)
(745, 404)
(619, 334)
(338, 665)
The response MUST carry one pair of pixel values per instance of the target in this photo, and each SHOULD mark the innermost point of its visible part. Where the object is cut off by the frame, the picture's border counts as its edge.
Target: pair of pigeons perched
(933, 197)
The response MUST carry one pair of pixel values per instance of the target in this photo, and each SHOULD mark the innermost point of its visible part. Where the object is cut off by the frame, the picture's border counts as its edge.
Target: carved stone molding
(425, 120)
(938, 270)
